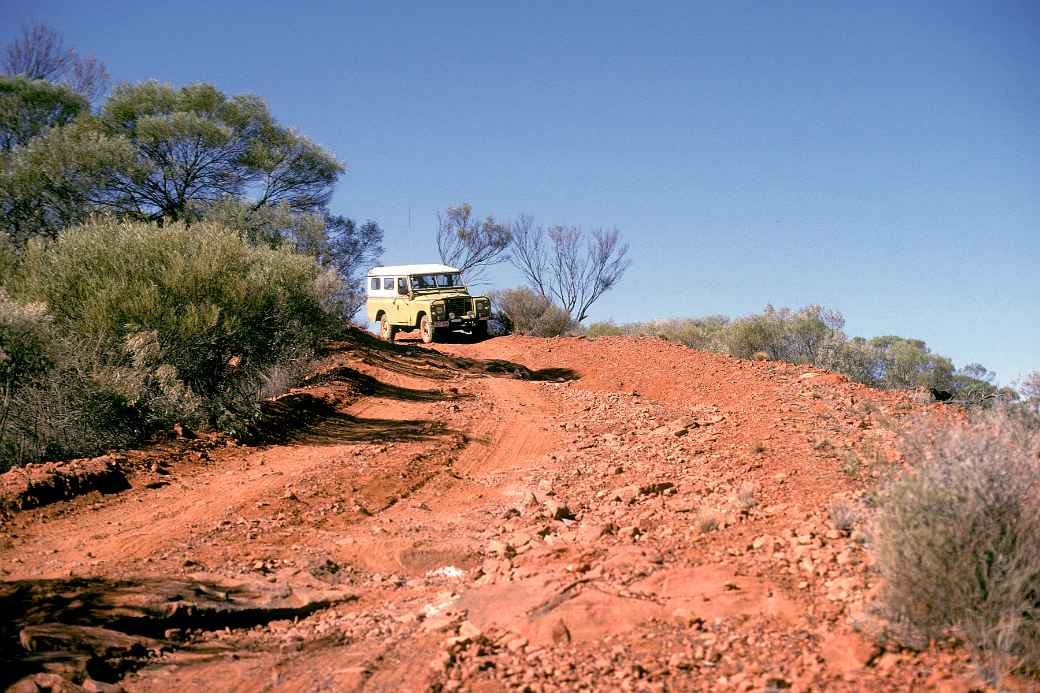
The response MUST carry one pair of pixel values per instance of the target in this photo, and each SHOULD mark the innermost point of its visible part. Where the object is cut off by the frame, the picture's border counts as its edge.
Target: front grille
(459, 306)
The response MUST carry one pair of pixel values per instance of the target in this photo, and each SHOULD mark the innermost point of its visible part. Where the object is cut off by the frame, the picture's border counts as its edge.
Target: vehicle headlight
(483, 308)
(438, 311)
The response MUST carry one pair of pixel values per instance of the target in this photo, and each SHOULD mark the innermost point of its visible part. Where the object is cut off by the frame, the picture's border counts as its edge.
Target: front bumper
(458, 323)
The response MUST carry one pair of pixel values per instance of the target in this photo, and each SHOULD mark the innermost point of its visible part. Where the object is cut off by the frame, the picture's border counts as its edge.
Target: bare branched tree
(567, 265)
(40, 53)
(89, 77)
(470, 244)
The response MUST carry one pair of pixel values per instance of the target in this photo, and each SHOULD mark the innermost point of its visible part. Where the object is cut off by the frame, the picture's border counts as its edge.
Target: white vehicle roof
(409, 269)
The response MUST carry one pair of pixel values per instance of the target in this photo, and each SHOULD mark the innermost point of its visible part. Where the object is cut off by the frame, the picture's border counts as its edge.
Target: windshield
(436, 281)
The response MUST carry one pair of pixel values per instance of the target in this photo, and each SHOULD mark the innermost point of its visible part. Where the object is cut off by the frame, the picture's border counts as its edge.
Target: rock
(561, 635)
(182, 431)
(440, 622)
(558, 511)
(888, 661)
(516, 644)
(442, 661)
(678, 661)
(630, 532)
(500, 548)
(590, 533)
(101, 687)
(686, 617)
(625, 494)
(682, 504)
(469, 631)
(845, 653)
(656, 488)
(102, 642)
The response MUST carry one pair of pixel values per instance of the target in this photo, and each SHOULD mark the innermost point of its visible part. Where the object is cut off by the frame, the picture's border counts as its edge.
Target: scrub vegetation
(166, 257)
(814, 335)
(957, 538)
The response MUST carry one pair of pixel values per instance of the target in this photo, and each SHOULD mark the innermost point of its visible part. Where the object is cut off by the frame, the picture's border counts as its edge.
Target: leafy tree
(468, 244)
(808, 335)
(200, 146)
(352, 249)
(159, 154)
(973, 383)
(29, 107)
(60, 177)
(908, 363)
(567, 265)
(40, 53)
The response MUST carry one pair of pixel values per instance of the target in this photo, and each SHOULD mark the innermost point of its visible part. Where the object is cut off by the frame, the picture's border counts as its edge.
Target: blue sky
(879, 158)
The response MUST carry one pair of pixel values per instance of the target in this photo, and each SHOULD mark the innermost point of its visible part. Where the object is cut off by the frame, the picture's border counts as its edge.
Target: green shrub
(553, 322)
(958, 537)
(814, 335)
(209, 296)
(808, 335)
(605, 329)
(160, 325)
(25, 335)
(527, 313)
(68, 410)
(706, 334)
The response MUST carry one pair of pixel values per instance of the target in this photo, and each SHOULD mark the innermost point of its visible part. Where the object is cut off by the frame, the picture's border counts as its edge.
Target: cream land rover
(428, 298)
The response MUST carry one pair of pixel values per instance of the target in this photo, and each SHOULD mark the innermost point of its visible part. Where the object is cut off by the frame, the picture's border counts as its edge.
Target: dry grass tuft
(957, 539)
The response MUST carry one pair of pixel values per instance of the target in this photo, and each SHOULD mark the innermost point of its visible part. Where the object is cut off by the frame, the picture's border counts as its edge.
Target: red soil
(660, 523)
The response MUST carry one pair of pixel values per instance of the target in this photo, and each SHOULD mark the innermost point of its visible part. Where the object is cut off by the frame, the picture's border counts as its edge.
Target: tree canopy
(199, 146)
(152, 153)
(29, 107)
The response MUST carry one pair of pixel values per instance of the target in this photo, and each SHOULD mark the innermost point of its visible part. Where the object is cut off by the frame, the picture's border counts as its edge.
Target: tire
(426, 330)
(480, 331)
(386, 330)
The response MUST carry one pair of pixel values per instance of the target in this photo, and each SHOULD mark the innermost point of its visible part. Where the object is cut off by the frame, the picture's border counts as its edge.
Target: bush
(606, 329)
(67, 410)
(25, 333)
(808, 335)
(958, 537)
(161, 325)
(706, 334)
(528, 313)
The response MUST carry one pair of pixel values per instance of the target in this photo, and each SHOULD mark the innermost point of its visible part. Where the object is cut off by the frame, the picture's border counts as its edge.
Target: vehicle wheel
(386, 330)
(480, 331)
(426, 329)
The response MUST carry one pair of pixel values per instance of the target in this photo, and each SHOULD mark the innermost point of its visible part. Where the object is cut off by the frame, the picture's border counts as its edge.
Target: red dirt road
(563, 514)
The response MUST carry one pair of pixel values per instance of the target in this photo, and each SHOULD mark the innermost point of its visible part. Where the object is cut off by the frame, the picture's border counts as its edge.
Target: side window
(374, 284)
(402, 285)
(388, 283)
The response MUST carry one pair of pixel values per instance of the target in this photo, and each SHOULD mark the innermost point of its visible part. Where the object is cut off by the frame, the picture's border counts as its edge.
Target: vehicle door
(402, 303)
